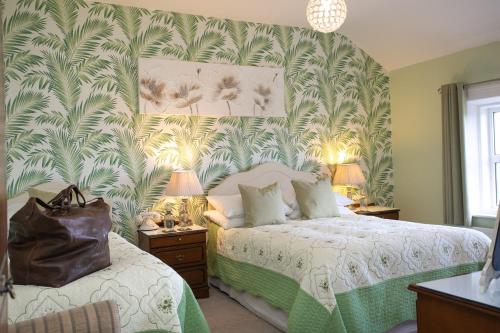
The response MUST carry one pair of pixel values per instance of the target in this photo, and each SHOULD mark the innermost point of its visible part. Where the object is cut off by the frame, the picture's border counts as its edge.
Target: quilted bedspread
(347, 265)
(149, 294)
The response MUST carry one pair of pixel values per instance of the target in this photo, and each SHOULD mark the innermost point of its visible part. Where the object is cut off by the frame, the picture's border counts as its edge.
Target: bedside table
(379, 211)
(184, 251)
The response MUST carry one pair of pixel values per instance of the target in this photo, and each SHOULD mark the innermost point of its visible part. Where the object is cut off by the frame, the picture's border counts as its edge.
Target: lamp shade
(348, 174)
(184, 183)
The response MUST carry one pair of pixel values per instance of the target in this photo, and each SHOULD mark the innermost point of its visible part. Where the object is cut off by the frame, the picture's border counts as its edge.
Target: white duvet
(334, 255)
(146, 290)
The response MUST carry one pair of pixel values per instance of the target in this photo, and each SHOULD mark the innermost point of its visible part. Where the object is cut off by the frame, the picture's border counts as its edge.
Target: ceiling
(396, 33)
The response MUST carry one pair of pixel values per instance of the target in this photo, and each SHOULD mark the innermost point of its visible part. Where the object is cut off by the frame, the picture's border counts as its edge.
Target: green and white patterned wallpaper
(72, 102)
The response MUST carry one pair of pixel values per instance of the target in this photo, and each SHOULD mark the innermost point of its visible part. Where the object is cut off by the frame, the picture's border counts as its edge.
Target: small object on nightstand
(362, 199)
(185, 251)
(148, 221)
(378, 211)
(169, 222)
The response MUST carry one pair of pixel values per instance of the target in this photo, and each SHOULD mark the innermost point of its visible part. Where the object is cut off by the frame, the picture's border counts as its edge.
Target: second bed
(342, 274)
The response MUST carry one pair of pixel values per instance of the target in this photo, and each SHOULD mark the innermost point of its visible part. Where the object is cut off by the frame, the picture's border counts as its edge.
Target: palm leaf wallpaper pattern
(72, 103)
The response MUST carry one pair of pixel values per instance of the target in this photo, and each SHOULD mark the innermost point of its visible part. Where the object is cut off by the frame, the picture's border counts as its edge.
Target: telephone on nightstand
(148, 221)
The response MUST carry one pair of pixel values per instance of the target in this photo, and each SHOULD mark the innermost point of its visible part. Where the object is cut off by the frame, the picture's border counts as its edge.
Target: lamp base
(350, 191)
(332, 168)
(183, 214)
(184, 225)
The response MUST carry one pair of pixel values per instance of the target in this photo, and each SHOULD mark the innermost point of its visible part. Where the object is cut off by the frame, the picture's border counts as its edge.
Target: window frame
(482, 102)
(480, 167)
(493, 158)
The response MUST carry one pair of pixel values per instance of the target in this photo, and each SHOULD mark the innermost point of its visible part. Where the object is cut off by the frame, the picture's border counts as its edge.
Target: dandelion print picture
(172, 87)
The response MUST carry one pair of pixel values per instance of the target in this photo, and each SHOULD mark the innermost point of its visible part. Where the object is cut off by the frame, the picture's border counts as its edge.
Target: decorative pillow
(219, 218)
(229, 205)
(262, 205)
(342, 200)
(316, 199)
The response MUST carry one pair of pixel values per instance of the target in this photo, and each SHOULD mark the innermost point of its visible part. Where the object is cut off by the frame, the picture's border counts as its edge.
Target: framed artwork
(172, 87)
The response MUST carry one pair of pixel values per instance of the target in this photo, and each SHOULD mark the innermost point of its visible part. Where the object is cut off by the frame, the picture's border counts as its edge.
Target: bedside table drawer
(194, 276)
(177, 240)
(190, 255)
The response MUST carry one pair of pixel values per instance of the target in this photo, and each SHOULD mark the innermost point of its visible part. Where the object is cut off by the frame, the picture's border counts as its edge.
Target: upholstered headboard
(263, 175)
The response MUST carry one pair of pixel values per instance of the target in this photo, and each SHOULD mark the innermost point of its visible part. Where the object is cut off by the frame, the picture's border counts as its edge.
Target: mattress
(344, 274)
(149, 294)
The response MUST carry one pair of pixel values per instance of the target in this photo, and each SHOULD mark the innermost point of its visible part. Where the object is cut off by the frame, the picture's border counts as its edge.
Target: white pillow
(53, 186)
(15, 204)
(218, 218)
(231, 206)
(288, 210)
(342, 200)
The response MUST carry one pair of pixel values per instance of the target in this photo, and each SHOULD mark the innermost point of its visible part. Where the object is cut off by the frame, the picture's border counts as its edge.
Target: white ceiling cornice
(396, 33)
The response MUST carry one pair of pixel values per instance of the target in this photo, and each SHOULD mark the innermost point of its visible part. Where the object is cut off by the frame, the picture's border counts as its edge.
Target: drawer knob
(179, 257)
(180, 239)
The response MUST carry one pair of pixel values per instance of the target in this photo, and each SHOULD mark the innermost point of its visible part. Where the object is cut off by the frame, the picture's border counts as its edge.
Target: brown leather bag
(61, 243)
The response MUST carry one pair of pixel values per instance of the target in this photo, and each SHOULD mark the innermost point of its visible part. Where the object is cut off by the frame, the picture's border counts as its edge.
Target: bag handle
(64, 198)
(43, 204)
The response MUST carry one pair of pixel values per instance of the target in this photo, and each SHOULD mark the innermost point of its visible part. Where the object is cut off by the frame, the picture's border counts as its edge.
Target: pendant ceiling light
(326, 15)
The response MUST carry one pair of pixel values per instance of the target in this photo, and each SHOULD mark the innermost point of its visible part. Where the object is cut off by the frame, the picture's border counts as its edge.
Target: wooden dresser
(455, 305)
(184, 251)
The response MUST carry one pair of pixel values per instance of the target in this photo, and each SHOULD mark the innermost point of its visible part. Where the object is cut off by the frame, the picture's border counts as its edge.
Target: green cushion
(316, 199)
(262, 205)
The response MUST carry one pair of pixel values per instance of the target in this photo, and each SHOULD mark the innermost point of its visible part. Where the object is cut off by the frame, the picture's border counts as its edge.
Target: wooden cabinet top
(159, 233)
(375, 210)
(463, 288)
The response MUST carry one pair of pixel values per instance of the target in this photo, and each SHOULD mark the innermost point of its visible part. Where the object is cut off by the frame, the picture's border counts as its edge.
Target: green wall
(416, 119)
(72, 102)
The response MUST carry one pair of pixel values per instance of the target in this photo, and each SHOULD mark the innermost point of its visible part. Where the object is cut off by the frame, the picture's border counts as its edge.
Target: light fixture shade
(184, 183)
(348, 174)
(326, 15)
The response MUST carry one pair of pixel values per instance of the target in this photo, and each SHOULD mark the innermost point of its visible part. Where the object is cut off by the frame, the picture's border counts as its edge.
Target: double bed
(150, 295)
(342, 274)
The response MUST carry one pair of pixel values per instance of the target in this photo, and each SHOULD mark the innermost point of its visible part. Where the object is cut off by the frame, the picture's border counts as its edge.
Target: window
(482, 149)
(495, 152)
(493, 160)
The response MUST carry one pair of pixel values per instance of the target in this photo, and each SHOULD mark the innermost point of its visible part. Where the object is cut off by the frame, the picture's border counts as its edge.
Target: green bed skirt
(371, 309)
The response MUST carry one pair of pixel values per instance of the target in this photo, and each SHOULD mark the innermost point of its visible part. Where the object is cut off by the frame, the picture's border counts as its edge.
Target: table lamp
(349, 175)
(184, 184)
